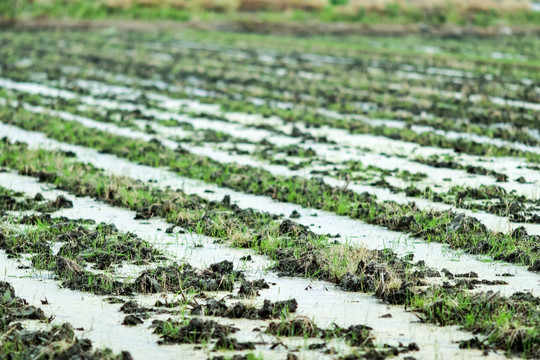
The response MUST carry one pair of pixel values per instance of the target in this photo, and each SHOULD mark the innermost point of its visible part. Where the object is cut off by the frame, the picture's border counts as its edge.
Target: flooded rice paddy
(235, 196)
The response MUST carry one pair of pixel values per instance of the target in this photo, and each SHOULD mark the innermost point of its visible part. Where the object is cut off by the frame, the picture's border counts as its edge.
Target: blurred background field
(480, 13)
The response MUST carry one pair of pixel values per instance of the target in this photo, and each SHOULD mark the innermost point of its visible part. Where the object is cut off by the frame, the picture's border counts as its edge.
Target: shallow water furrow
(473, 96)
(413, 91)
(100, 321)
(323, 302)
(101, 89)
(493, 222)
(243, 52)
(514, 172)
(352, 231)
(204, 93)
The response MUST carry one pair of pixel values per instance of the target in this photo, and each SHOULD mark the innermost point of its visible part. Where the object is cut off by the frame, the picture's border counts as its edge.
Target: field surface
(214, 195)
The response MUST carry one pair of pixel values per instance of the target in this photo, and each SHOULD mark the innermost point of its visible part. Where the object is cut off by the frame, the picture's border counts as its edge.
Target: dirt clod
(132, 320)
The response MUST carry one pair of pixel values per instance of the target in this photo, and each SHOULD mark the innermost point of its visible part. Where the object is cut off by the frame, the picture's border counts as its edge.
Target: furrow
(320, 301)
(514, 172)
(493, 222)
(352, 231)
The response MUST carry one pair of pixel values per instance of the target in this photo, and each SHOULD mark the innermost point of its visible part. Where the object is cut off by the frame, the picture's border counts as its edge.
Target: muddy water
(319, 301)
(493, 222)
(270, 57)
(514, 167)
(453, 135)
(100, 320)
(374, 143)
(98, 88)
(312, 75)
(352, 231)
(177, 245)
(33, 88)
(168, 103)
(218, 251)
(101, 323)
(435, 176)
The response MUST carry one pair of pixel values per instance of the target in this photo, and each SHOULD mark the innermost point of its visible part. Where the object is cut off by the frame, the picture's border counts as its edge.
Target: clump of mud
(521, 305)
(194, 331)
(372, 274)
(16, 244)
(269, 310)
(105, 247)
(60, 203)
(249, 289)
(176, 277)
(14, 201)
(228, 343)
(15, 308)
(355, 335)
(75, 277)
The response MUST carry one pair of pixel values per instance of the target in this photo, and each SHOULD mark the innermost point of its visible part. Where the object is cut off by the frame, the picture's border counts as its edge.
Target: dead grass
(342, 259)
(372, 6)
(223, 5)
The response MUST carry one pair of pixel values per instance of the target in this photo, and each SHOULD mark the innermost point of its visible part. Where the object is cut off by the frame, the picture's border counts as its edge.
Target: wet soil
(269, 309)
(194, 331)
(58, 342)
(88, 254)
(177, 277)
